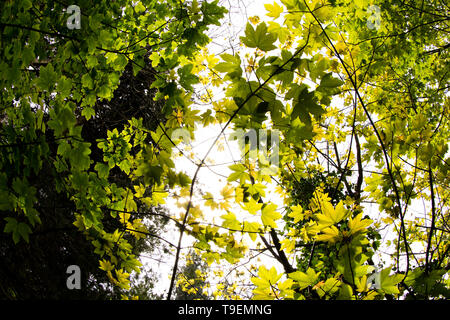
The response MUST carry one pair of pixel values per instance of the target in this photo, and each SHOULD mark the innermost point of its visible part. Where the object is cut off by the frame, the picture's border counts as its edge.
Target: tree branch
(428, 258)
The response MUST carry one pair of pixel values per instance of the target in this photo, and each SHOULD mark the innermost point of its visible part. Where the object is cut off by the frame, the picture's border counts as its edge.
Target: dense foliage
(356, 91)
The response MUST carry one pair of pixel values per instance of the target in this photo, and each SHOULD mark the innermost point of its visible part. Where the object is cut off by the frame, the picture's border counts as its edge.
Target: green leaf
(79, 156)
(305, 279)
(64, 120)
(24, 230)
(240, 173)
(259, 38)
(125, 166)
(183, 179)
(67, 118)
(64, 87)
(11, 225)
(345, 292)
(139, 8)
(5, 201)
(87, 82)
(80, 180)
(88, 112)
(328, 288)
(388, 284)
(187, 78)
(231, 66)
(281, 32)
(18, 229)
(26, 4)
(102, 169)
(104, 92)
(328, 81)
(305, 104)
(47, 77)
(155, 172)
(64, 148)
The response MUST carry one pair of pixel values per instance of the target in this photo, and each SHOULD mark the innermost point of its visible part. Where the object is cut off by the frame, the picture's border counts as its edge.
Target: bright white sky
(212, 178)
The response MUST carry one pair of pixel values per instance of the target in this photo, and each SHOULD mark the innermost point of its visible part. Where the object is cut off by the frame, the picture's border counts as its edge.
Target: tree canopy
(341, 113)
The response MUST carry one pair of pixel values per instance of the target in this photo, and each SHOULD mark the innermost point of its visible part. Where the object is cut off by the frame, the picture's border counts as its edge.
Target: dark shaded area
(37, 270)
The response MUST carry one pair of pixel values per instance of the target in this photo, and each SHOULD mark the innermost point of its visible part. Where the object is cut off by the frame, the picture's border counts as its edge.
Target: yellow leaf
(227, 193)
(140, 189)
(185, 191)
(297, 213)
(330, 215)
(330, 235)
(285, 288)
(371, 295)
(79, 223)
(212, 60)
(210, 200)
(318, 285)
(288, 245)
(239, 194)
(155, 58)
(269, 215)
(360, 3)
(224, 205)
(356, 225)
(327, 288)
(122, 279)
(124, 217)
(138, 229)
(230, 221)
(361, 284)
(106, 265)
(252, 228)
(324, 13)
(254, 19)
(266, 277)
(216, 81)
(304, 234)
(179, 116)
(252, 206)
(195, 212)
(274, 10)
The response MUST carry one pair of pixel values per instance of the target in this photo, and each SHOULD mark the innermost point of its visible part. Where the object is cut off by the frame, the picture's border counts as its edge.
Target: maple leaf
(330, 215)
(266, 277)
(330, 235)
(252, 206)
(274, 10)
(356, 224)
(106, 265)
(252, 228)
(305, 279)
(388, 283)
(269, 215)
(297, 213)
